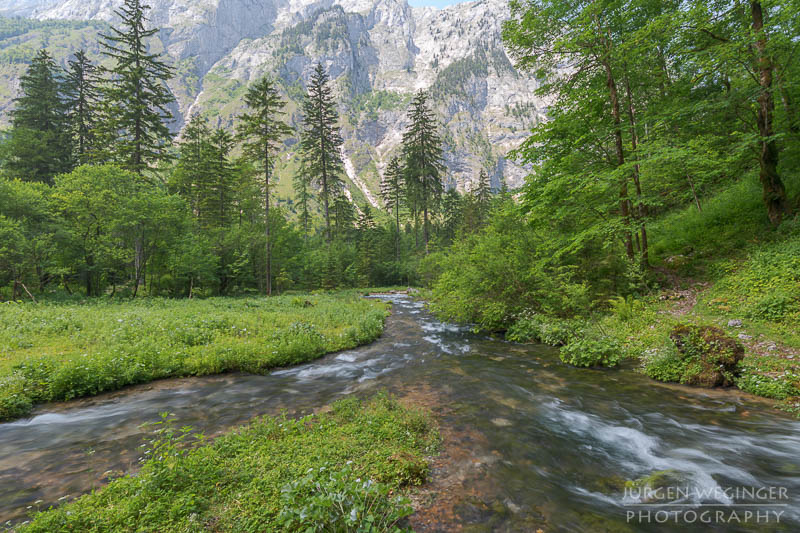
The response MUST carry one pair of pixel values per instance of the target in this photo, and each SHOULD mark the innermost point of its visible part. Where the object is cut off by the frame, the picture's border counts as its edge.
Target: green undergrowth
(54, 351)
(342, 470)
(727, 255)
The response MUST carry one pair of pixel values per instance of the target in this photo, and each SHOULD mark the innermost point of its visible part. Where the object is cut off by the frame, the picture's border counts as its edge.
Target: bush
(330, 499)
(546, 330)
(664, 364)
(703, 356)
(591, 351)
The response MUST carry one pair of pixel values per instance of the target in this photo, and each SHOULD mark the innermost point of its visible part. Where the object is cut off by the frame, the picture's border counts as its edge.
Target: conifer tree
(222, 171)
(422, 152)
(482, 196)
(344, 217)
(366, 245)
(301, 183)
(82, 94)
(191, 169)
(321, 141)
(137, 93)
(39, 146)
(393, 192)
(262, 129)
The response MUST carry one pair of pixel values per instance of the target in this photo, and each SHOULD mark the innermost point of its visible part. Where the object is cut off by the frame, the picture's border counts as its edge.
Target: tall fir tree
(137, 95)
(321, 141)
(482, 197)
(301, 183)
(343, 214)
(393, 190)
(82, 95)
(366, 246)
(422, 153)
(39, 146)
(261, 129)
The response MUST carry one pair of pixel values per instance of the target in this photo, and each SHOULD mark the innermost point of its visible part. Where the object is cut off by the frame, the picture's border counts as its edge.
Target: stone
(736, 323)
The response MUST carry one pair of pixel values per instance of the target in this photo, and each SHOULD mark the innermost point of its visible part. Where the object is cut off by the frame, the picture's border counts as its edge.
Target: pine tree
(344, 217)
(422, 152)
(191, 171)
(82, 95)
(393, 190)
(39, 146)
(366, 246)
(482, 197)
(321, 141)
(453, 216)
(301, 183)
(222, 171)
(137, 94)
(262, 129)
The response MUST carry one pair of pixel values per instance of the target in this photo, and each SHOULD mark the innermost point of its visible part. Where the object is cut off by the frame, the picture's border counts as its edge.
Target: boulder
(710, 355)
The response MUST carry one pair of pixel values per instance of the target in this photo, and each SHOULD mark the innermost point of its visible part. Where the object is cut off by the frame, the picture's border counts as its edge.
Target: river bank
(57, 351)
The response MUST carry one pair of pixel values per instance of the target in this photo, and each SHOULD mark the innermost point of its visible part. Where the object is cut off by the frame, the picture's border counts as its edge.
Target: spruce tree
(422, 153)
(366, 246)
(221, 193)
(39, 145)
(193, 155)
(321, 141)
(393, 190)
(82, 94)
(262, 129)
(482, 197)
(137, 92)
(344, 217)
(301, 183)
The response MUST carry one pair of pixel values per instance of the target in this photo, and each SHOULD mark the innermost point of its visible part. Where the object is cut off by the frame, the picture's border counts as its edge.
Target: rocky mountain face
(379, 52)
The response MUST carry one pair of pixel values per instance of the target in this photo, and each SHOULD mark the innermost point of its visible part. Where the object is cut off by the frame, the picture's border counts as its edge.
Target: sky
(435, 3)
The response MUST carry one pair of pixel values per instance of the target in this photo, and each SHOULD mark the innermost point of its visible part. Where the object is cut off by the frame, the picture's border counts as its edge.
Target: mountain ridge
(378, 52)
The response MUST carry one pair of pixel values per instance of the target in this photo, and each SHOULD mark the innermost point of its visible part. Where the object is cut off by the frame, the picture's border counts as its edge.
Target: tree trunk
(774, 190)
(397, 235)
(266, 222)
(624, 202)
(641, 208)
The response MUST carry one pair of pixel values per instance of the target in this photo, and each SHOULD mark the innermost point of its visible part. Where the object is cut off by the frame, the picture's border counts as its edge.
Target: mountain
(379, 52)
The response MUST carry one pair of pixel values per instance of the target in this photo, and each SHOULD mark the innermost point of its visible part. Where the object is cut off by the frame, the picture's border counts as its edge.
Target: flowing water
(542, 444)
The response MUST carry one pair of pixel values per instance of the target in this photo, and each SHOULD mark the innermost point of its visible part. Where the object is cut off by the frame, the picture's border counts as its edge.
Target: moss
(710, 357)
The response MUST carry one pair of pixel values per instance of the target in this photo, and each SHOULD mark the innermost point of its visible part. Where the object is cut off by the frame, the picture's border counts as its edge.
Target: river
(543, 444)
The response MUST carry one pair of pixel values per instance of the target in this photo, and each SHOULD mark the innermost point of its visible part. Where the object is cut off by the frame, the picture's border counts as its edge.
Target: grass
(275, 474)
(56, 351)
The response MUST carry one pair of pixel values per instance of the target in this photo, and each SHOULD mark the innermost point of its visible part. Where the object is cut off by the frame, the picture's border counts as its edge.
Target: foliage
(590, 351)
(701, 355)
(136, 99)
(327, 499)
(39, 145)
(320, 142)
(490, 277)
(59, 351)
(236, 481)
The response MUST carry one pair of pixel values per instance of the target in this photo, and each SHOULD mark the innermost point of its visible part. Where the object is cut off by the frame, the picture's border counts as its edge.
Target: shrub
(703, 356)
(330, 499)
(664, 364)
(591, 351)
(546, 330)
